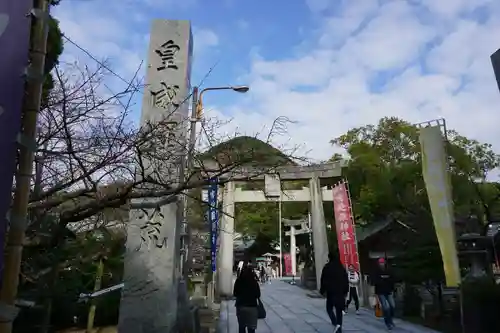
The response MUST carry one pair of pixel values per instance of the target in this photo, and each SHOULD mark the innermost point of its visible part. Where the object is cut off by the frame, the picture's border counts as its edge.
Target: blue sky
(327, 65)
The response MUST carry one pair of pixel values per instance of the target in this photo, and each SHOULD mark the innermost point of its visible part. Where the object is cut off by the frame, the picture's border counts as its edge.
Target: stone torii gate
(313, 194)
(293, 232)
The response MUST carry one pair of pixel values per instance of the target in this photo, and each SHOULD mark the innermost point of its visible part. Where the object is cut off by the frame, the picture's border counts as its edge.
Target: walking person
(334, 285)
(262, 274)
(268, 273)
(240, 267)
(247, 293)
(383, 281)
(353, 288)
(256, 272)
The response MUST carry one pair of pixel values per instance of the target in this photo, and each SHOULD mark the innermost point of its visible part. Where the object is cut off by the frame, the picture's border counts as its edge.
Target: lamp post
(197, 111)
(196, 114)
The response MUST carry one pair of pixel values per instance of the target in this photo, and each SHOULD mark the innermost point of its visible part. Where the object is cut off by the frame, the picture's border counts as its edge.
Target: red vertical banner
(344, 224)
(287, 258)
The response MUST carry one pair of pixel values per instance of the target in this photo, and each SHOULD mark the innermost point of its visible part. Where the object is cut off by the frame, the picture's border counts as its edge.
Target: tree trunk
(57, 241)
(97, 286)
(47, 304)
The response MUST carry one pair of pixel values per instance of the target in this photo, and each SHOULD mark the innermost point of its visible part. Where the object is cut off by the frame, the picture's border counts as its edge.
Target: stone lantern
(472, 247)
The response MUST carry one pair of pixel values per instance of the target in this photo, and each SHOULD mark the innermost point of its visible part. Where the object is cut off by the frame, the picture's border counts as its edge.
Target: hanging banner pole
(213, 219)
(344, 225)
(346, 182)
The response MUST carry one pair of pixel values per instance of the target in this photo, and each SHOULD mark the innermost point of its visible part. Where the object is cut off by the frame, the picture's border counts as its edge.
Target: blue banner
(213, 219)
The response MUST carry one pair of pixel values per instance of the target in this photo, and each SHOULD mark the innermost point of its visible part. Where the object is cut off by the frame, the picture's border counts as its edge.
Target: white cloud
(242, 24)
(102, 36)
(318, 66)
(336, 84)
(120, 37)
(336, 28)
(452, 8)
(391, 40)
(203, 39)
(317, 5)
(359, 44)
(166, 4)
(118, 30)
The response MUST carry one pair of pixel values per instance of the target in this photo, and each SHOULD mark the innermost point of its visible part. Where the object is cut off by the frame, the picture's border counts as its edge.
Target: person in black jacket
(247, 292)
(335, 286)
(384, 282)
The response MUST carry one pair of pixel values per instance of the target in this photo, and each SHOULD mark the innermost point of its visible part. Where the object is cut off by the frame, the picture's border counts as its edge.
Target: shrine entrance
(273, 192)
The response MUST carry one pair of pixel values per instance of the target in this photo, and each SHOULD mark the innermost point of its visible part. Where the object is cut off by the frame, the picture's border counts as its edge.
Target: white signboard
(272, 186)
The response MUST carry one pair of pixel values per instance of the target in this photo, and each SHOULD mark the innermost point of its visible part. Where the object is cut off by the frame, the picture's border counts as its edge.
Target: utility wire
(127, 82)
(91, 56)
(97, 61)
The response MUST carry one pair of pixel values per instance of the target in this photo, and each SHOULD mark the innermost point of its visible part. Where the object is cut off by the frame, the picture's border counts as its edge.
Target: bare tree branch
(93, 160)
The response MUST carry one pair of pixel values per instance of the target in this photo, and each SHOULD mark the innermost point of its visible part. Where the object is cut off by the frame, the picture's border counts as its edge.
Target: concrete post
(226, 236)
(320, 241)
(293, 250)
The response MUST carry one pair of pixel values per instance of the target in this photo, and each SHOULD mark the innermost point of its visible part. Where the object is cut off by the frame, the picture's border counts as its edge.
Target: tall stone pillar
(320, 240)
(226, 245)
(151, 271)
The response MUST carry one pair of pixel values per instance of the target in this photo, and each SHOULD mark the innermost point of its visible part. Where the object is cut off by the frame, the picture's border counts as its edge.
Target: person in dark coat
(335, 286)
(247, 292)
(383, 281)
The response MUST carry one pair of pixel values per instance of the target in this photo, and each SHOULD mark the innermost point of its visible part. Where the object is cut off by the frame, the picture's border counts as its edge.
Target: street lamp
(241, 89)
(198, 100)
(197, 110)
(196, 113)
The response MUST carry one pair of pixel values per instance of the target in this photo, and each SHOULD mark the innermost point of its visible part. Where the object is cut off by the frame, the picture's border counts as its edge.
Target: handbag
(261, 311)
(378, 310)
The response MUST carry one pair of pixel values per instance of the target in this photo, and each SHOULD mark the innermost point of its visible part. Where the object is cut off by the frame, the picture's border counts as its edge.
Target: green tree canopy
(55, 48)
(386, 183)
(385, 171)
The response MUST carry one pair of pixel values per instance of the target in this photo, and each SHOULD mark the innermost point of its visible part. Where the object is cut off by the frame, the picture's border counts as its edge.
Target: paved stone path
(290, 310)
